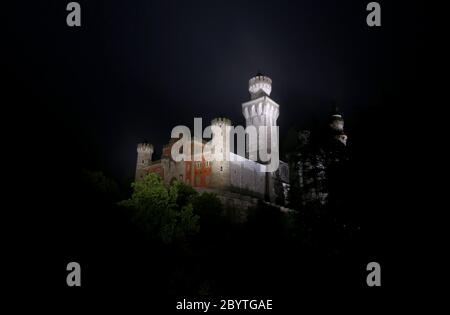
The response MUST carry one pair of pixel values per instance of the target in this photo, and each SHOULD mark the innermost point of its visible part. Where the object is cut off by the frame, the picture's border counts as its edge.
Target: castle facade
(237, 177)
(241, 181)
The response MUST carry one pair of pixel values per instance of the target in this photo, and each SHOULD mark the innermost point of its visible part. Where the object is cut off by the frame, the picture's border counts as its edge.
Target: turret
(259, 85)
(260, 111)
(221, 169)
(144, 158)
(337, 126)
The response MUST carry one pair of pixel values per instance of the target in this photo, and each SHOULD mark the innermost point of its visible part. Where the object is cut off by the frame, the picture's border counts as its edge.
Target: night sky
(135, 69)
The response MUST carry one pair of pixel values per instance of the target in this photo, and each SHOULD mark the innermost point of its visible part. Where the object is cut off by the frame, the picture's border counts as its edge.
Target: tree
(156, 210)
(100, 186)
(208, 206)
(185, 193)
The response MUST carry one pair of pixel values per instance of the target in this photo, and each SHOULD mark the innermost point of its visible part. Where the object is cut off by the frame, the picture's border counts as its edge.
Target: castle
(239, 182)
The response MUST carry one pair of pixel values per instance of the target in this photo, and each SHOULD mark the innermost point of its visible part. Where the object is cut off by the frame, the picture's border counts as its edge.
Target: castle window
(221, 168)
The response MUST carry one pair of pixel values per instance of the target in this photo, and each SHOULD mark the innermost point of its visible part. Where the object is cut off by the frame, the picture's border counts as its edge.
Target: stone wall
(236, 206)
(246, 176)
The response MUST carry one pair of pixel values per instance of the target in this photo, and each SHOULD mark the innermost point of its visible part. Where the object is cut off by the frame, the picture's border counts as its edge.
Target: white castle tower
(221, 169)
(260, 111)
(144, 158)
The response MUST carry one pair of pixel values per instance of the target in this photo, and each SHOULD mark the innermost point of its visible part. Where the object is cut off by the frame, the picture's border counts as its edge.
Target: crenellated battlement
(259, 85)
(145, 148)
(144, 158)
(221, 120)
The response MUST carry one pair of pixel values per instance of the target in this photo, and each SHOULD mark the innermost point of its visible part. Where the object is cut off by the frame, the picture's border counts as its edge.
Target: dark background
(84, 97)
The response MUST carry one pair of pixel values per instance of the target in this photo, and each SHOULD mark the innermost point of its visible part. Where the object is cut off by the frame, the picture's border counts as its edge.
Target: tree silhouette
(156, 210)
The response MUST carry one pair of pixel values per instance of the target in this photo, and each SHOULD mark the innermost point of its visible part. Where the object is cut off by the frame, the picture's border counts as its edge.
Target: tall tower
(221, 169)
(260, 111)
(144, 158)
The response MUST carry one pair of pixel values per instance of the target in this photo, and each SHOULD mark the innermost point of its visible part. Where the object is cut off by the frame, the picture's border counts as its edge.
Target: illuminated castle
(240, 181)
